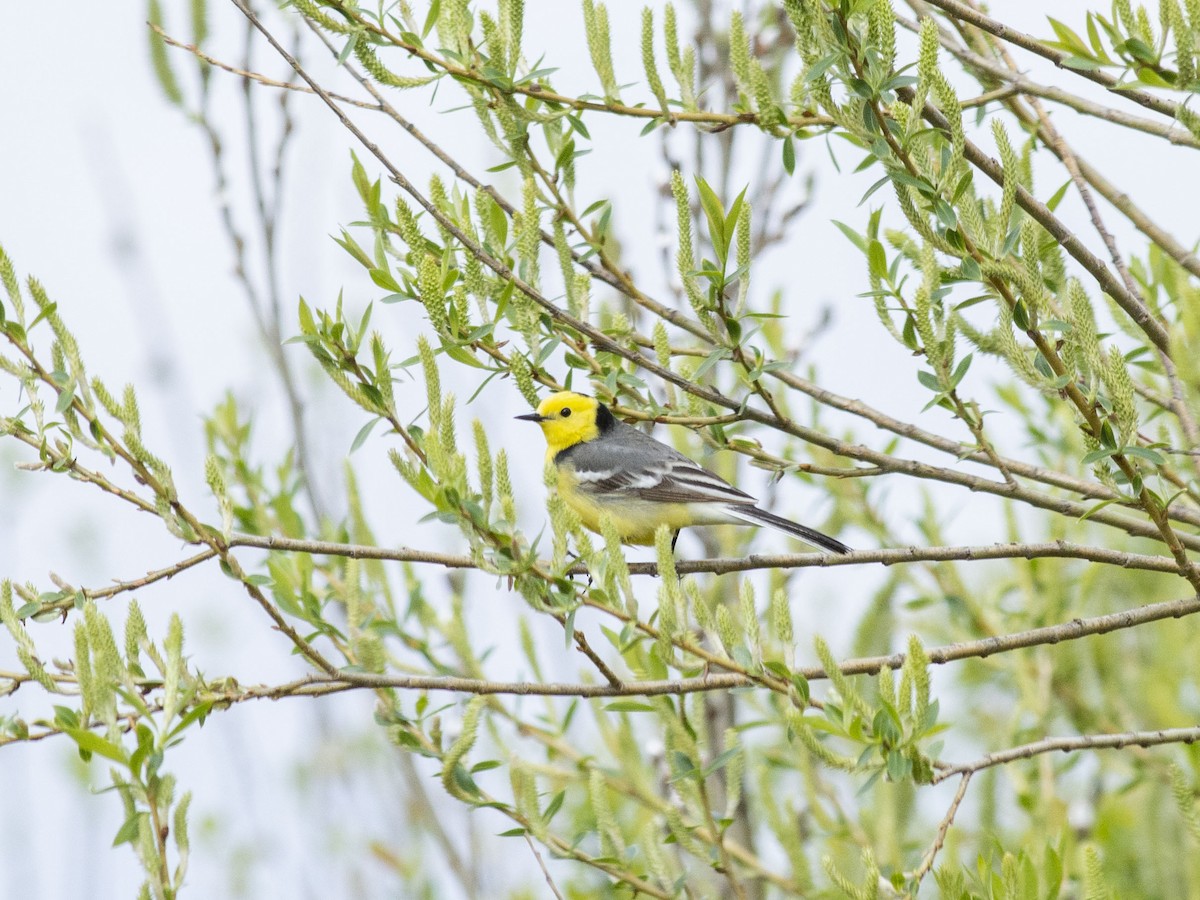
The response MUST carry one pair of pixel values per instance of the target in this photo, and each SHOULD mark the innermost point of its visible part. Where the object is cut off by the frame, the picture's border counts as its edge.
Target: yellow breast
(636, 521)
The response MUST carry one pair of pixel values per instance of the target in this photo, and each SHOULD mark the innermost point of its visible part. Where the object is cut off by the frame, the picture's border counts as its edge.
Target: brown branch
(975, 649)
(965, 13)
(1073, 744)
(939, 839)
(14, 429)
(542, 865)
(1034, 637)
(581, 644)
(538, 91)
(1059, 146)
(1027, 86)
(721, 566)
(120, 587)
(253, 76)
(1083, 487)
(716, 566)
(1066, 238)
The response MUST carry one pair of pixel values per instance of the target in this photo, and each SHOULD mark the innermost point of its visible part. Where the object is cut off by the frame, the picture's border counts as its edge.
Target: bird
(605, 466)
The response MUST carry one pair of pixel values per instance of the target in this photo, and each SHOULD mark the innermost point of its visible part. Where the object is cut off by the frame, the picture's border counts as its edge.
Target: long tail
(756, 516)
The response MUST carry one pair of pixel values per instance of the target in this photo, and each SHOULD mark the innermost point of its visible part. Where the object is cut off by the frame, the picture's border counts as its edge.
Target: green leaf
(789, 155)
(384, 279)
(554, 806)
(945, 213)
(960, 370)
(1152, 456)
(1108, 437)
(1098, 50)
(853, 236)
(46, 310)
(345, 52)
(929, 380)
(431, 18)
(1095, 509)
(1068, 38)
(307, 325)
(1151, 78)
(1056, 199)
(899, 766)
(128, 832)
(886, 179)
(363, 433)
(886, 726)
(93, 743)
(800, 683)
(1139, 50)
(817, 69)
(720, 761)
(877, 260)
(1097, 455)
(628, 706)
(711, 360)
(714, 212)
(1020, 315)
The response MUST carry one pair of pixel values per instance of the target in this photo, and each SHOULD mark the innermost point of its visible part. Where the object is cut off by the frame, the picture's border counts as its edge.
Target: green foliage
(695, 746)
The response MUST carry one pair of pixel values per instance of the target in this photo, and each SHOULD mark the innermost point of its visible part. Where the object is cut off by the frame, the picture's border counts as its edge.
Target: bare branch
(1074, 744)
(255, 76)
(939, 839)
(542, 865)
(887, 557)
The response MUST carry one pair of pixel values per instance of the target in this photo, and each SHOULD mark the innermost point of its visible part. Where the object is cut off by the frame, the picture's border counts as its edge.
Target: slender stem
(939, 839)
(542, 865)
(1189, 735)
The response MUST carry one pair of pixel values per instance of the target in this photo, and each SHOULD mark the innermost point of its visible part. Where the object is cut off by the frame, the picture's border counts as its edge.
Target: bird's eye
(566, 411)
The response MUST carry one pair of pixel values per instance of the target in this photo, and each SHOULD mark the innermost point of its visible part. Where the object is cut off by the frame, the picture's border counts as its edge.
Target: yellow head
(568, 418)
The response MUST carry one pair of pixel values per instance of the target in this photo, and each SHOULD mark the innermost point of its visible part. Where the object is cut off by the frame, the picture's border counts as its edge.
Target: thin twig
(1073, 744)
(939, 839)
(542, 865)
(715, 566)
(255, 76)
(720, 566)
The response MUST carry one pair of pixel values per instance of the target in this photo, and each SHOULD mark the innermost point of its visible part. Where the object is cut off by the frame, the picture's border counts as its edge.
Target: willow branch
(1067, 239)
(600, 339)
(1027, 86)
(959, 450)
(939, 839)
(1034, 637)
(720, 566)
(1074, 744)
(965, 13)
(254, 76)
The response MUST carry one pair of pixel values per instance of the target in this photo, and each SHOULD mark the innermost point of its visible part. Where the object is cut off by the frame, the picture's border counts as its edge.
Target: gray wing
(628, 463)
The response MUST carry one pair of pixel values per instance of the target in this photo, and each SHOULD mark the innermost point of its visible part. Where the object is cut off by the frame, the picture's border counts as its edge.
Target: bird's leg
(674, 539)
(576, 558)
